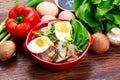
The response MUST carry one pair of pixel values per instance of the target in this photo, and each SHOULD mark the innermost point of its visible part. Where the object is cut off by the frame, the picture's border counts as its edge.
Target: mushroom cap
(7, 50)
(101, 43)
(114, 36)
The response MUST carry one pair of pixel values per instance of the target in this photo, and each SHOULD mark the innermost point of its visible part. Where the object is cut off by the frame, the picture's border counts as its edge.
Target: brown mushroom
(7, 50)
(101, 43)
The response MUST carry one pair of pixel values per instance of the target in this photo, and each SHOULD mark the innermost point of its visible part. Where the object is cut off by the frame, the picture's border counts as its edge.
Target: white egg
(63, 30)
(39, 44)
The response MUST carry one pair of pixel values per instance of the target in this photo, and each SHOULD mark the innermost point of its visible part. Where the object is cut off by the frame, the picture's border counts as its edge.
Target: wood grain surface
(23, 67)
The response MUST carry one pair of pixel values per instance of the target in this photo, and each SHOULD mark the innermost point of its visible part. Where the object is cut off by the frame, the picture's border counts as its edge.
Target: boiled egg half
(39, 44)
(63, 30)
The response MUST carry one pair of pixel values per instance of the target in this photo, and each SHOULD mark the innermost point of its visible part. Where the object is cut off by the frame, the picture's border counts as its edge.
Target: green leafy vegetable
(115, 18)
(80, 35)
(99, 15)
(102, 8)
(96, 1)
(85, 13)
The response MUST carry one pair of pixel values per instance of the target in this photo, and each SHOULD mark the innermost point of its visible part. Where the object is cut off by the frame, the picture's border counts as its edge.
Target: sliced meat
(45, 56)
(59, 48)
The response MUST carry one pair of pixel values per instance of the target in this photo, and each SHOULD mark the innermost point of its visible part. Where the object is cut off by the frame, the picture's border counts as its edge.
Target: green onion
(5, 38)
(33, 3)
(68, 38)
(62, 54)
(50, 43)
(51, 55)
(3, 34)
(2, 25)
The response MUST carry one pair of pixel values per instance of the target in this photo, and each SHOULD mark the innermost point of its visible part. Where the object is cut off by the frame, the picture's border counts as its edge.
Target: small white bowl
(65, 4)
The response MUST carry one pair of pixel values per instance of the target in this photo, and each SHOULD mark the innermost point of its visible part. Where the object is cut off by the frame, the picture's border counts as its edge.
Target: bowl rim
(48, 62)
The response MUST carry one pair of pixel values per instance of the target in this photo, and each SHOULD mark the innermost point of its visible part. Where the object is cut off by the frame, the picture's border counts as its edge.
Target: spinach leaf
(96, 1)
(103, 8)
(116, 2)
(77, 4)
(109, 25)
(115, 18)
(99, 15)
(80, 35)
(85, 13)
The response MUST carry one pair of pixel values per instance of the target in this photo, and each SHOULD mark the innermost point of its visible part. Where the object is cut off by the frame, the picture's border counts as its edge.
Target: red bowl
(50, 65)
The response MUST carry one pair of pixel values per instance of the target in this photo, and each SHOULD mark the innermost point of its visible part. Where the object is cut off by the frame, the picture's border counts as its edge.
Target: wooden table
(92, 67)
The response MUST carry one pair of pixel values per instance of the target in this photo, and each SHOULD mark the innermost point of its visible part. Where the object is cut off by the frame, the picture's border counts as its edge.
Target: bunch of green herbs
(98, 15)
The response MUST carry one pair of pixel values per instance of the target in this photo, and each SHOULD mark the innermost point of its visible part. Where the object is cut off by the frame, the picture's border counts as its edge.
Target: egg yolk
(41, 42)
(63, 27)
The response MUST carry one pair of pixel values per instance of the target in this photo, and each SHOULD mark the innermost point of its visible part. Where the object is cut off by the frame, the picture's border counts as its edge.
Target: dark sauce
(66, 4)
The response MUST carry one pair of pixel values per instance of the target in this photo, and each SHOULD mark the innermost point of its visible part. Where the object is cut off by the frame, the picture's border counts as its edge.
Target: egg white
(33, 47)
(61, 35)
